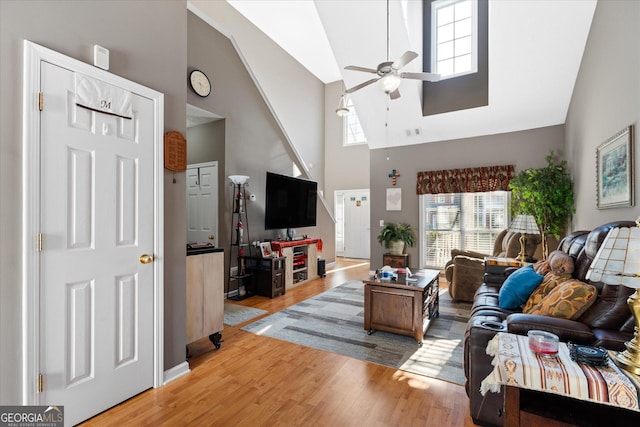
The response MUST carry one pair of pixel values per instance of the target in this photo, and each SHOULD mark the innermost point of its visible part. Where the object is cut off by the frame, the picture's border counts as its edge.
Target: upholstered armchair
(465, 271)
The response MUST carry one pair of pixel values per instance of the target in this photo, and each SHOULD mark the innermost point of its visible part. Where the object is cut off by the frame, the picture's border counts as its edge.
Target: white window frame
(352, 116)
(439, 4)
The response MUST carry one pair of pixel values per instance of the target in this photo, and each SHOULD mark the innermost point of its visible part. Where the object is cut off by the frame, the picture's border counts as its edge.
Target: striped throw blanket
(515, 364)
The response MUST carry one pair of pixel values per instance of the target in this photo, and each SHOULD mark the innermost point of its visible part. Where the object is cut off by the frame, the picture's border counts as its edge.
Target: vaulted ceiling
(535, 50)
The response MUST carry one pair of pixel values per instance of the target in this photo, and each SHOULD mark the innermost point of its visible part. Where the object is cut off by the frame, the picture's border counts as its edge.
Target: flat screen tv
(290, 202)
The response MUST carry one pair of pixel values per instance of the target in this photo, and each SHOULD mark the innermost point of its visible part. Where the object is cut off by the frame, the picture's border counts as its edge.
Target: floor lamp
(618, 263)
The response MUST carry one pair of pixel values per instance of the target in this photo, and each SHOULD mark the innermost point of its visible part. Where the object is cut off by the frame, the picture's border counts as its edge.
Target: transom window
(454, 29)
(468, 221)
(352, 133)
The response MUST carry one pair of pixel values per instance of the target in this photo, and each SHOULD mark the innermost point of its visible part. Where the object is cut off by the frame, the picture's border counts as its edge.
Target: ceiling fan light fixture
(389, 83)
(342, 109)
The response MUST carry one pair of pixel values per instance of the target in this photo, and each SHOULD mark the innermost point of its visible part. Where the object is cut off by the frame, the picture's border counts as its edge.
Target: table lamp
(618, 263)
(524, 224)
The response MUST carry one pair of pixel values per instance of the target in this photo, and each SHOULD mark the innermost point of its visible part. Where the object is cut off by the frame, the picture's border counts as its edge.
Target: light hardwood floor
(260, 381)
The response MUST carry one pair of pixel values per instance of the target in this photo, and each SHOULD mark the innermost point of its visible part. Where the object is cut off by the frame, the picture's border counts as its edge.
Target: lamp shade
(524, 224)
(239, 179)
(342, 109)
(618, 259)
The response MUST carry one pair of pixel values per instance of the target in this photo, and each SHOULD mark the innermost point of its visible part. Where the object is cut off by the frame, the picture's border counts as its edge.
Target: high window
(454, 32)
(468, 221)
(352, 133)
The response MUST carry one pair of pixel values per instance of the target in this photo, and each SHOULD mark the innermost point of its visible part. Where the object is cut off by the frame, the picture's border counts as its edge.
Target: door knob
(211, 237)
(146, 259)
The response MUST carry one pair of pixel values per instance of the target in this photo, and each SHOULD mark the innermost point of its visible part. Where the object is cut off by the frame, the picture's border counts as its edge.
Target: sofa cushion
(567, 301)
(549, 282)
(515, 291)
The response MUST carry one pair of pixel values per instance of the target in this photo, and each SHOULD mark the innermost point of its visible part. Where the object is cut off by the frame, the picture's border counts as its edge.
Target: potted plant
(395, 237)
(547, 194)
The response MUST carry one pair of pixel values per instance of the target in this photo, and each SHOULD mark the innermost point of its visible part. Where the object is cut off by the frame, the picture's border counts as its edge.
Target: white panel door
(357, 224)
(202, 203)
(97, 216)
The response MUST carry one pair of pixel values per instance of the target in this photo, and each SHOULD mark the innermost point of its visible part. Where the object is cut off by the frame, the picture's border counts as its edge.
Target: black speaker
(322, 272)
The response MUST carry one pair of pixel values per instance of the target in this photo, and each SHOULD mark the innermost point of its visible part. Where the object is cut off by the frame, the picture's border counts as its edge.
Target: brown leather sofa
(465, 271)
(608, 323)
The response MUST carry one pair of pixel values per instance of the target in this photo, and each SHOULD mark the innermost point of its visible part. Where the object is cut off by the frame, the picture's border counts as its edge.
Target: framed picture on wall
(265, 250)
(394, 199)
(614, 167)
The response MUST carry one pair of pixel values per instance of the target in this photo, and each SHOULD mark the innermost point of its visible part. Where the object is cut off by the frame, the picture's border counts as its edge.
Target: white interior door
(202, 203)
(97, 217)
(357, 224)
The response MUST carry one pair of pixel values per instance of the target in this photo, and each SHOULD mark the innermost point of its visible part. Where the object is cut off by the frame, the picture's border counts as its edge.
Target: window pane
(463, 9)
(463, 46)
(353, 132)
(445, 33)
(445, 15)
(445, 51)
(462, 64)
(463, 28)
(445, 68)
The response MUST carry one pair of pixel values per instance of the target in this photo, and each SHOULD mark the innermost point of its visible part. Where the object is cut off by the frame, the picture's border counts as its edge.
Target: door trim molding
(33, 55)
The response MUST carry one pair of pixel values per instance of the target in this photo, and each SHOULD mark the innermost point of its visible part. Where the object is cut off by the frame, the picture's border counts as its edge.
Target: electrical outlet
(382, 223)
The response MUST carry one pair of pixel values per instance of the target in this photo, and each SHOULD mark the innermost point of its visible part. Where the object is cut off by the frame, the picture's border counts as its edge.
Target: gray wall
(526, 149)
(205, 143)
(255, 143)
(295, 95)
(605, 100)
(346, 168)
(142, 50)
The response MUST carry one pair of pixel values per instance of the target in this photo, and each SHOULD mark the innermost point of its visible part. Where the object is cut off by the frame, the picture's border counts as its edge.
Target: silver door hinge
(39, 242)
(40, 383)
(40, 101)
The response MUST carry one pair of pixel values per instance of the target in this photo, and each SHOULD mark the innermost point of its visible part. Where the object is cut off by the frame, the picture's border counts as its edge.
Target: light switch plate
(382, 223)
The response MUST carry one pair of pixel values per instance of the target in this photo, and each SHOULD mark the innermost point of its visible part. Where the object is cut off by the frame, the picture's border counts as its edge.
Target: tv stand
(301, 263)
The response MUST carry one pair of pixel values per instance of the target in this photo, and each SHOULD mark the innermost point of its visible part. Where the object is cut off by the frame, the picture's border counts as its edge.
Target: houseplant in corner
(394, 237)
(547, 194)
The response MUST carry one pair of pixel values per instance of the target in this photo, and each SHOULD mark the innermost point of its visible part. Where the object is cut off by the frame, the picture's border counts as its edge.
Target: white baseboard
(176, 372)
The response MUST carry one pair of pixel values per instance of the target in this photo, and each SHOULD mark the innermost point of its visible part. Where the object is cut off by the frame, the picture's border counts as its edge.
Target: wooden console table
(403, 306)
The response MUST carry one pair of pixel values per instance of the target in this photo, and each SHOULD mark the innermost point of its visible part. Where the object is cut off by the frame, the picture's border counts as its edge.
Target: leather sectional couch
(608, 323)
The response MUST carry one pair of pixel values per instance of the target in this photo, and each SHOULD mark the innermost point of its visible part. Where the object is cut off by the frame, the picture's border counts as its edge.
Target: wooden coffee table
(402, 306)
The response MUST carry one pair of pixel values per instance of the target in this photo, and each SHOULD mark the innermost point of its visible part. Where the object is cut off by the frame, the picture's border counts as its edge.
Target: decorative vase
(396, 247)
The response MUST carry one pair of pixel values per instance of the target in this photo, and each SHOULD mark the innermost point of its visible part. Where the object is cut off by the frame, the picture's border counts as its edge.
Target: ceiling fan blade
(430, 77)
(356, 68)
(361, 85)
(406, 57)
(395, 94)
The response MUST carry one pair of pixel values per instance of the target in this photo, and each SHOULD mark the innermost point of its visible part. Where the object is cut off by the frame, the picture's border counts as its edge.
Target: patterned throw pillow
(549, 282)
(569, 300)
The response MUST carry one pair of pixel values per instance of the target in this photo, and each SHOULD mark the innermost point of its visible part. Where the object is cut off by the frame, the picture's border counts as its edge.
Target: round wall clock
(200, 83)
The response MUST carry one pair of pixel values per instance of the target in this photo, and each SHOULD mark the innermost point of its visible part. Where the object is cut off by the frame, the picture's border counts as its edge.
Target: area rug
(333, 321)
(235, 314)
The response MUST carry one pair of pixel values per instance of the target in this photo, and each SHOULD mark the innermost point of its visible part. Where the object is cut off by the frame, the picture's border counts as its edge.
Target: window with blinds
(468, 221)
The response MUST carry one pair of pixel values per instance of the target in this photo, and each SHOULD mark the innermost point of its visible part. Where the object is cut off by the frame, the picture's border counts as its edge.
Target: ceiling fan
(389, 75)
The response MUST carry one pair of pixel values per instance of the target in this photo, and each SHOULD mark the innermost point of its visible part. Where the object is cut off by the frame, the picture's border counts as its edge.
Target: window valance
(468, 180)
